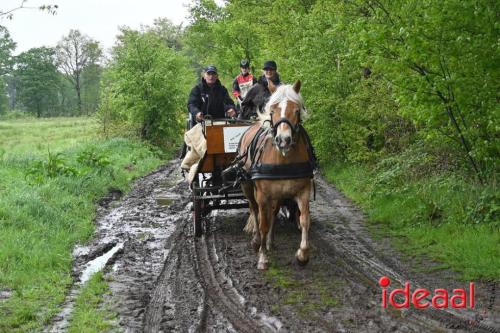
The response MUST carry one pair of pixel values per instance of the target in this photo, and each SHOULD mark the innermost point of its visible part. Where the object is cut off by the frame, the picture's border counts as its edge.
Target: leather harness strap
(260, 170)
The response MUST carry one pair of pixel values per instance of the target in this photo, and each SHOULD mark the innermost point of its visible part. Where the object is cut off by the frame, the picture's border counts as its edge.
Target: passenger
(270, 73)
(243, 82)
(257, 97)
(210, 97)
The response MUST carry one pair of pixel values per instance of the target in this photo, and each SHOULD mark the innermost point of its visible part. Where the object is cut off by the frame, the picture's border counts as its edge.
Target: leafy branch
(9, 14)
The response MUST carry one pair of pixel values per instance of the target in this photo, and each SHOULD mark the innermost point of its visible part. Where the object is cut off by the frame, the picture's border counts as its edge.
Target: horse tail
(251, 225)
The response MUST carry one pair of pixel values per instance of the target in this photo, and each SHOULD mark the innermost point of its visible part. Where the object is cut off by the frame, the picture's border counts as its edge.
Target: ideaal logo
(460, 298)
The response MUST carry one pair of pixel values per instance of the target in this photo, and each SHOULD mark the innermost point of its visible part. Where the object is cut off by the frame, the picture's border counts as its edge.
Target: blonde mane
(284, 92)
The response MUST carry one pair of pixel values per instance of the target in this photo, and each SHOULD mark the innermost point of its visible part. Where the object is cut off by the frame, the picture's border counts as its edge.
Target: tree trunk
(78, 94)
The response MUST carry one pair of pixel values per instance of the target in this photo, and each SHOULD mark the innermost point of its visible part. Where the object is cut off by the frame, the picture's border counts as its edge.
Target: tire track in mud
(168, 308)
(203, 301)
(220, 294)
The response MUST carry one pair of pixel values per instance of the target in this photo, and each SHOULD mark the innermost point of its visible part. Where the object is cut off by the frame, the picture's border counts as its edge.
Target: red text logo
(460, 298)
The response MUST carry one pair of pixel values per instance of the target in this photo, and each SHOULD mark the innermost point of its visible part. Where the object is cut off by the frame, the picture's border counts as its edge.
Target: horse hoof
(262, 266)
(302, 262)
(302, 258)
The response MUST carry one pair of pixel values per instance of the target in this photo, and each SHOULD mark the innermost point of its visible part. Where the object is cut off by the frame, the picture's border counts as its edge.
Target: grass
(432, 217)
(90, 314)
(47, 205)
(35, 136)
(309, 296)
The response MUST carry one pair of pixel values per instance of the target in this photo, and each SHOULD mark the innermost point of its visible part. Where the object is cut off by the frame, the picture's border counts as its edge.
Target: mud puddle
(165, 280)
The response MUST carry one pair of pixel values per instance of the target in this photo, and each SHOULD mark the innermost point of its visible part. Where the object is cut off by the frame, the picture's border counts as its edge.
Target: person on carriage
(270, 74)
(210, 97)
(243, 82)
(259, 94)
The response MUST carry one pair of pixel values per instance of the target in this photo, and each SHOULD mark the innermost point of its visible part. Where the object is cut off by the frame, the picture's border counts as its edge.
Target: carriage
(210, 189)
(275, 169)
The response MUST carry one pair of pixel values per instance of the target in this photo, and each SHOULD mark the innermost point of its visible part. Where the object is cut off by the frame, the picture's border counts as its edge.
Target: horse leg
(256, 239)
(265, 217)
(270, 235)
(252, 225)
(302, 254)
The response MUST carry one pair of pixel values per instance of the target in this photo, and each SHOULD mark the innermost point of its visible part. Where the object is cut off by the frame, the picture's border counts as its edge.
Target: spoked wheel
(197, 217)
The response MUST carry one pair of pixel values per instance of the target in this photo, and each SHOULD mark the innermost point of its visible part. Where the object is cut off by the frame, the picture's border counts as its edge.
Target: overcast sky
(99, 19)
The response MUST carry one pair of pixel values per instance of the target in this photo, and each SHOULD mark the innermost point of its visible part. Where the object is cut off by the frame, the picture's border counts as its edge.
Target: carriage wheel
(197, 218)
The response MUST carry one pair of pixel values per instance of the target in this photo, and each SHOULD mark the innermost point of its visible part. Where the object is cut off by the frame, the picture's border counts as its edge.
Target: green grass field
(442, 217)
(52, 172)
(35, 136)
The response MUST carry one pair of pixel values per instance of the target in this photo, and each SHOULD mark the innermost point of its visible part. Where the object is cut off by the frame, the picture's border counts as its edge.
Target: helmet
(244, 63)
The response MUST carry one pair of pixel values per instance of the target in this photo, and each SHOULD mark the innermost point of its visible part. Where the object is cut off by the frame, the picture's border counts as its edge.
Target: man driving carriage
(209, 97)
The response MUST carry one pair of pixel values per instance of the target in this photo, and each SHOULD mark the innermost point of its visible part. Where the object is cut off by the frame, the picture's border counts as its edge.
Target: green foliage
(90, 84)
(145, 89)
(442, 217)
(486, 209)
(97, 161)
(7, 45)
(377, 75)
(228, 33)
(37, 80)
(3, 97)
(94, 159)
(53, 167)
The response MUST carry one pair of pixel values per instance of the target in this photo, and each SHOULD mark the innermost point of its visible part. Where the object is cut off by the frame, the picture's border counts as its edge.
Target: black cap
(244, 63)
(270, 64)
(211, 69)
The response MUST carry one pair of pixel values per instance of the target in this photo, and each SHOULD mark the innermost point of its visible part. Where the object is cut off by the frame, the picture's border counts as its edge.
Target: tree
(7, 45)
(170, 33)
(145, 88)
(4, 100)
(433, 64)
(90, 84)
(224, 35)
(37, 80)
(75, 52)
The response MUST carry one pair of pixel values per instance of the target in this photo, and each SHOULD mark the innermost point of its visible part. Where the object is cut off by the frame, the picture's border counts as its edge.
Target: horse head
(284, 111)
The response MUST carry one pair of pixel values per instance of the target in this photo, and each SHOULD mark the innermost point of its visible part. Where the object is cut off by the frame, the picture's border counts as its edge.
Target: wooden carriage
(210, 189)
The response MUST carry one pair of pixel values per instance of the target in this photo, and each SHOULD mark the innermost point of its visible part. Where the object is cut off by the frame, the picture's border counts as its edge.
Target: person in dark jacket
(270, 73)
(210, 97)
(259, 94)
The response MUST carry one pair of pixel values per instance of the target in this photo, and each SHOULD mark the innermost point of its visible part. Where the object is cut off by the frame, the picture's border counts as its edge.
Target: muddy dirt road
(164, 280)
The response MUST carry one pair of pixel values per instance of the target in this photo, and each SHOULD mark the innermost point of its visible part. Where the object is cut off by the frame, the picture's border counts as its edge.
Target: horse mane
(284, 91)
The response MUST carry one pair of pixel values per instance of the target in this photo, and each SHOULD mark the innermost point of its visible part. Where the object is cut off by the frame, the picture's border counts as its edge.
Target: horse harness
(259, 170)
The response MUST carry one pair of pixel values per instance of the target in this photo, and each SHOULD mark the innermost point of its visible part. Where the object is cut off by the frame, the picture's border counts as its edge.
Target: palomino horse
(277, 156)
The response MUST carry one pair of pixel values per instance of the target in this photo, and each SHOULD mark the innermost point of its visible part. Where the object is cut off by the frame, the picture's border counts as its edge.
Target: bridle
(295, 128)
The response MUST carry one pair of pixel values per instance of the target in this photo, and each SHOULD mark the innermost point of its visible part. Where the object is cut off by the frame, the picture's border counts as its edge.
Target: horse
(254, 101)
(276, 154)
